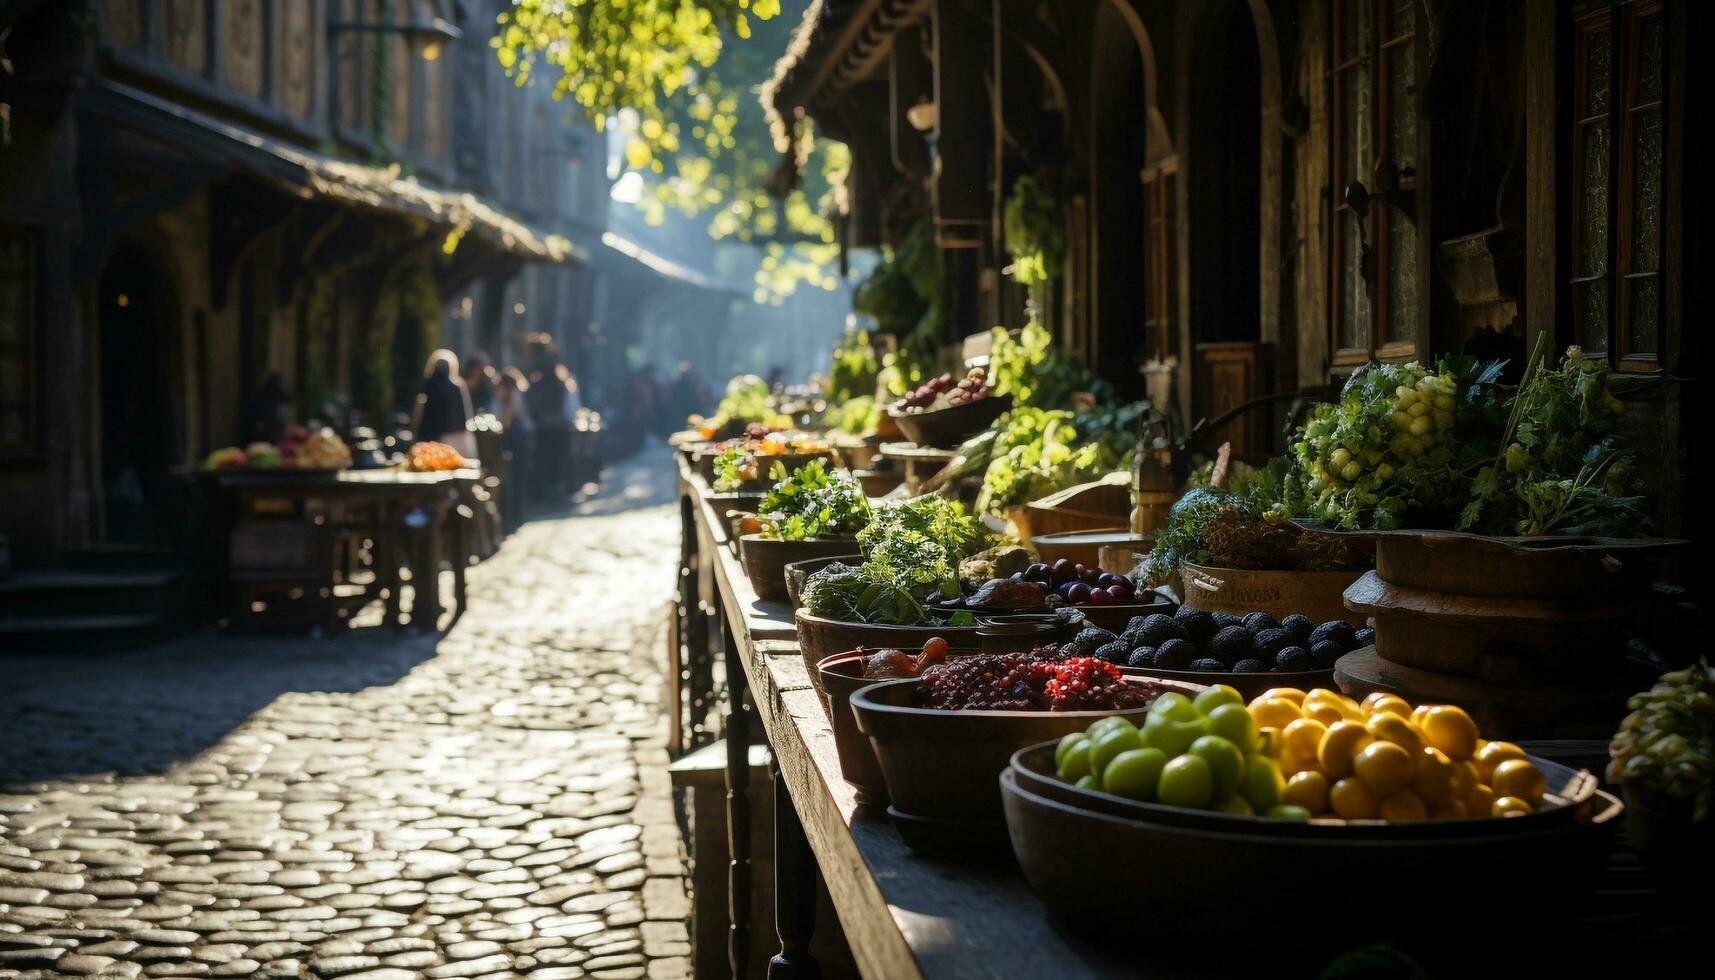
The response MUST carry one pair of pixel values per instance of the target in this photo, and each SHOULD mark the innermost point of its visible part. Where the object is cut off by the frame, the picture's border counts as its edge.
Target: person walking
(518, 434)
(443, 405)
(479, 380)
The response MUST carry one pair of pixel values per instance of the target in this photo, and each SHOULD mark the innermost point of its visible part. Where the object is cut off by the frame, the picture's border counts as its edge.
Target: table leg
(387, 560)
(795, 880)
(426, 597)
(461, 560)
(737, 807)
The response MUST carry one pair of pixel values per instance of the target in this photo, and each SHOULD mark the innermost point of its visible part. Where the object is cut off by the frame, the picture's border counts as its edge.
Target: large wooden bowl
(944, 428)
(765, 559)
(820, 637)
(1080, 862)
(941, 765)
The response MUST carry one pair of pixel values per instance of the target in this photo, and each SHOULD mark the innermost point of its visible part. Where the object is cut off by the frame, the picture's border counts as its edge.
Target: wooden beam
(959, 184)
(1540, 162)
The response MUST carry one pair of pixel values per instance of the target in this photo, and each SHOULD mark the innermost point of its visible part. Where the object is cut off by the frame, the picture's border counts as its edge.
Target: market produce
(1666, 747)
(264, 455)
(1035, 681)
(912, 550)
(427, 457)
(745, 400)
(226, 458)
(1036, 371)
(741, 461)
(1030, 453)
(319, 450)
(1384, 760)
(1202, 753)
(1242, 529)
(1196, 639)
(944, 392)
(812, 501)
(886, 664)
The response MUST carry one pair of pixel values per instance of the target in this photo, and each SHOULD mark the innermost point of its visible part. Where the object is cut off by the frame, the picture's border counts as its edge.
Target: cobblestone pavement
(492, 802)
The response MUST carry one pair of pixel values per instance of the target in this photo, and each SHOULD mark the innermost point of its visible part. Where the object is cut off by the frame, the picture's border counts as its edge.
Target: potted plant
(1663, 759)
(810, 512)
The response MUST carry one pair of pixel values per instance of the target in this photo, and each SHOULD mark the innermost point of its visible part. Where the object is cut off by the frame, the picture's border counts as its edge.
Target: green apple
(1262, 783)
(1134, 773)
(1213, 697)
(1174, 706)
(1109, 743)
(1076, 764)
(1226, 763)
(1065, 746)
(1287, 811)
(1171, 737)
(1101, 725)
(1235, 805)
(1186, 781)
(1234, 723)
(1087, 781)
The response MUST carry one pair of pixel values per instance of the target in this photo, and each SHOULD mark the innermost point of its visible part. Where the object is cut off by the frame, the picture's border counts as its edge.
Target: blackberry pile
(1196, 639)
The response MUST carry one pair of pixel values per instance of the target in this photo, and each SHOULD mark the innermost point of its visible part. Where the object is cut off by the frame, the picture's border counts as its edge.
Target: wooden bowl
(1248, 685)
(765, 559)
(1078, 860)
(796, 572)
(1574, 795)
(942, 765)
(1079, 547)
(1114, 617)
(1319, 595)
(945, 428)
(820, 637)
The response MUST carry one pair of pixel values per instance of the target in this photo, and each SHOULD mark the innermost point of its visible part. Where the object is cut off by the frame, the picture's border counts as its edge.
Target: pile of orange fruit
(1382, 759)
(427, 457)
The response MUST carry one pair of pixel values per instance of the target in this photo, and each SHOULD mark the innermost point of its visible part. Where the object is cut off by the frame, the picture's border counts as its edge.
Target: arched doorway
(135, 313)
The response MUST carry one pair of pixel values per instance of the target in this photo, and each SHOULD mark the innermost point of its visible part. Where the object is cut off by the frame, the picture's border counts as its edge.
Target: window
(17, 341)
(1379, 262)
(1617, 181)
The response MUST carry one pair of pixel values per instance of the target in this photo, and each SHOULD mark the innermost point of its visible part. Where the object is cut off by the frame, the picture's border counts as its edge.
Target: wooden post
(737, 804)
(1540, 161)
(795, 880)
(958, 183)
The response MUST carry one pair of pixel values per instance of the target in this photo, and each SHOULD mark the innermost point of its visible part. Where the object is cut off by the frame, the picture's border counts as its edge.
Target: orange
(1480, 800)
(1403, 805)
(1343, 741)
(1432, 778)
(1275, 713)
(1383, 701)
(1292, 694)
(1298, 744)
(1389, 727)
(1385, 766)
(1329, 707)
(1519, 779)
(1490, 756)
(1353, 799)
(1451, 810)
(1451, 730)
(1308, 789)
(1510, 806)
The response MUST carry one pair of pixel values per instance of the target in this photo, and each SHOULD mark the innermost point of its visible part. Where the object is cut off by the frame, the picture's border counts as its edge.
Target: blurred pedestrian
(519, 438)
(546, 400)
(479, 380)
(443, 405)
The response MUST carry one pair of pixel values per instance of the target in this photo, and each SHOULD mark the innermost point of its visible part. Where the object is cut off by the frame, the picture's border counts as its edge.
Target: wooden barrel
(1318, 595)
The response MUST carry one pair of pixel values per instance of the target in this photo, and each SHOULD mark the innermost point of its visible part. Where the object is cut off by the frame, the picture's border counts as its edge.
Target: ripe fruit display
(1384, 760)
(886, 664)
(1037, 681)
(427, 457)
(1196, 639)
(1666, 746)
(1202, 754)
(1078, 585)
(944, 392)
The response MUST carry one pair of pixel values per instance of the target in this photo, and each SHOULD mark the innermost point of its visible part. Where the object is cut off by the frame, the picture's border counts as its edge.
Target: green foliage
(688, 70)
(733, 466)
(1035, 228)
(1036, 372)
(745, 398)
(902, 371)
(907, 293)
(859, 595)
(919, 542)
(1035, 452)
(1558, 466)
(1666, 746)
(855, 416)
(812, 502)
(852, 369)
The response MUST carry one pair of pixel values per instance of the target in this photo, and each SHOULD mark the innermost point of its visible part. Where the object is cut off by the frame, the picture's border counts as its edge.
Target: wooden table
(906, 916)
(392, 494)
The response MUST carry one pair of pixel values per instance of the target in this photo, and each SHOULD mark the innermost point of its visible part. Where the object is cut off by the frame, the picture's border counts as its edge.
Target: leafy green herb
(1035, 453)
(733, 468)
(1036, 372)
(812, 502)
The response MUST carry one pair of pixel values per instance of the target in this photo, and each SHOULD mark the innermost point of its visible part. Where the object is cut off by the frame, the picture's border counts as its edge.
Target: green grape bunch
(1385, 447)
(1666, 746)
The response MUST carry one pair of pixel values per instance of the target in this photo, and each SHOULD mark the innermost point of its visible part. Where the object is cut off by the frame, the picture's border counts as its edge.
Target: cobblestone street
(491, 802)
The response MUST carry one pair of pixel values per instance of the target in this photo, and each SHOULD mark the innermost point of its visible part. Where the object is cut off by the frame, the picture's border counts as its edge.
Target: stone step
(50, 634)
(76, 592)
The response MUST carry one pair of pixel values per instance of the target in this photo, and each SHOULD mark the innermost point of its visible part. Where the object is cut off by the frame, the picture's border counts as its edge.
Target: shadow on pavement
(143, 710)
(645, 479)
